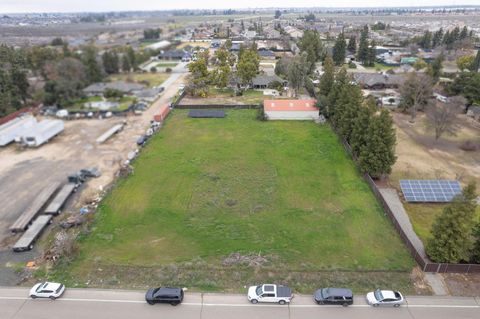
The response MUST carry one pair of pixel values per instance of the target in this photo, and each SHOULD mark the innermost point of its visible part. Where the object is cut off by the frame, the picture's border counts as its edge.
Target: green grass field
(148, 79)
(205, 188)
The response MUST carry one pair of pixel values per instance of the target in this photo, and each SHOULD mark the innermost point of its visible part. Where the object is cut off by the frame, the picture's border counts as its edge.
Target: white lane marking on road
(236, 305)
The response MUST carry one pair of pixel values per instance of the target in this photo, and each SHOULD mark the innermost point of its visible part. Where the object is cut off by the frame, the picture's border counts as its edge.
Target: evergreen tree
(94, 73)
(297, 72)
(132, 58)
(476, 62)
(352, 45)
(126, 67)
(437, 38)
(339, 50)
(347, 109)
(310, 42)
(328, 76)
(451, 239)
(248, 66)
(361, 125)
(426, 40)
(110, 62)
(464, 33)
(377, 155)
(435, 69)
(341, 79)
(362, 54)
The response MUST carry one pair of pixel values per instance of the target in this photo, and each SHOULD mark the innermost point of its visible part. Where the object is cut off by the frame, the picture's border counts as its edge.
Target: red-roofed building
(291, 109)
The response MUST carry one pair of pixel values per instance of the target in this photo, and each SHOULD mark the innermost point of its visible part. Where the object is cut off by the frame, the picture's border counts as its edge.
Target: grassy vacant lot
(148, 79)
(79, 105)
(227, 96)
(205, 188)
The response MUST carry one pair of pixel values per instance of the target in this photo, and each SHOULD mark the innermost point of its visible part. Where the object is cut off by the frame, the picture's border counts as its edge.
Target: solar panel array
(433, 191)
(206, 113)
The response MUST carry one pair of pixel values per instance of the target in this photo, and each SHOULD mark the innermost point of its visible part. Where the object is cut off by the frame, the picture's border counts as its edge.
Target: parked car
(333, 296)
(171, 295)
(181, 87)
(270, 293)
(142, 140)
(47, 289)
(385, 298)
(91, 172)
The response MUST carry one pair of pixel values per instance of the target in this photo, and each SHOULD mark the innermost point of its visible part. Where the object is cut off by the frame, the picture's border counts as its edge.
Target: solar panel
(206, 113)
(434, 191)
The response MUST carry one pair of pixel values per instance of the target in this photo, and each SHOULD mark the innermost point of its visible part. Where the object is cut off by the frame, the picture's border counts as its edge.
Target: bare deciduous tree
(442, 117)
(415, 92)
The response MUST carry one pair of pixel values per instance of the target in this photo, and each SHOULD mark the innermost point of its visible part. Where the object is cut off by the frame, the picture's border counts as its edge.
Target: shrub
(153, 69)
(168, 70)
(352, 65)
(261, 116)
(468, 146)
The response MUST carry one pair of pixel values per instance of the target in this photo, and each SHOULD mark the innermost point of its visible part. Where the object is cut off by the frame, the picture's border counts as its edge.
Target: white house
(291, 109)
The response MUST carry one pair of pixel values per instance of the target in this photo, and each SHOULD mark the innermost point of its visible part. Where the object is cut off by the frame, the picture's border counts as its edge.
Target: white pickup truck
(270, 293)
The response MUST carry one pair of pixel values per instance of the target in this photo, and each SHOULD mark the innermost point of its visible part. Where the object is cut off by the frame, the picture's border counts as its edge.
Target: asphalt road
(95, 304)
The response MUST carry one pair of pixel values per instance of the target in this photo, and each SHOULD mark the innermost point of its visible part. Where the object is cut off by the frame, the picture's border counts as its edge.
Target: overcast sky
(11, 6)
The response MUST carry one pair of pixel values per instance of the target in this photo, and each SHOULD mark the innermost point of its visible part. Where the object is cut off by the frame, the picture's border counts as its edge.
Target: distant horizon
(106, 6)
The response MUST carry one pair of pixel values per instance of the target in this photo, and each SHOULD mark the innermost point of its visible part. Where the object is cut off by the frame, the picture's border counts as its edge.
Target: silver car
(385, 298)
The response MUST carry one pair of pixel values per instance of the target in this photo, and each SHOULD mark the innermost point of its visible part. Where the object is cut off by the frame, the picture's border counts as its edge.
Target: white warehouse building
(291, 109)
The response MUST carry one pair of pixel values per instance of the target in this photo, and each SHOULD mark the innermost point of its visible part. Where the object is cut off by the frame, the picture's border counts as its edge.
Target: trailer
(114, 130)
(59, 200)
(43, 132)
(10, 130)
(22, 222)
(31, 235)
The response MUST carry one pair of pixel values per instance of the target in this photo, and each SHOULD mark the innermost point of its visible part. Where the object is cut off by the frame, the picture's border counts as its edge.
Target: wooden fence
(424, 263)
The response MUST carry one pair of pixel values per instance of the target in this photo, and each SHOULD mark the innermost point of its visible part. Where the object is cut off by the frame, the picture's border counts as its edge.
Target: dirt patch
(420, 156)
(463, 284)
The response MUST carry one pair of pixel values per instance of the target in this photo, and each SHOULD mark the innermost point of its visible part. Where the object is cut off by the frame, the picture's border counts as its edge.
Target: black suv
(170, 295)
(333, 296)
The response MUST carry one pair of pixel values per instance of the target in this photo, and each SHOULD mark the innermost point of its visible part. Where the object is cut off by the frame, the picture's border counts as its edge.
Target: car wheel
(345, 304)
(396, 305)
(33, 296)
(254, 301)
(30, 247)
(150, 302)
(282, 302)
(375, 305)
(174, 303)
(52, 297)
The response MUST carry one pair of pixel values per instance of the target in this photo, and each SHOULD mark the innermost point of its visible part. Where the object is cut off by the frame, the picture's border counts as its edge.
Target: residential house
(261, 82)
(378, 81)
(291, 109)
(266, 54)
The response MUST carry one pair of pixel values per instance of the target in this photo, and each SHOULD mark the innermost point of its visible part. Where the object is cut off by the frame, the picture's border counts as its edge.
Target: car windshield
(41, 286)
(258, 291)
(378, 295)
(324, 293)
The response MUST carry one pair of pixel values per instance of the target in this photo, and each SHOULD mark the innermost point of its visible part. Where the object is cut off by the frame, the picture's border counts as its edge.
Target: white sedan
(50, 290)
(385, 298)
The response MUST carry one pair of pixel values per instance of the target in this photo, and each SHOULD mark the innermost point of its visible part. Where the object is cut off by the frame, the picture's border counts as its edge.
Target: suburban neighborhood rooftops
(289, 105)
(375, 79)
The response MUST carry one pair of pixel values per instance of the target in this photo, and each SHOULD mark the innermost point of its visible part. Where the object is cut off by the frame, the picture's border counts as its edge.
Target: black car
(170, 295)
(333, 296)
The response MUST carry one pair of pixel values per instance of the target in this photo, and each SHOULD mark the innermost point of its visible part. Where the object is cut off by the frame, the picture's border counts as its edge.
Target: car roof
(339, 292)
(168, 291)
(388, 294)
